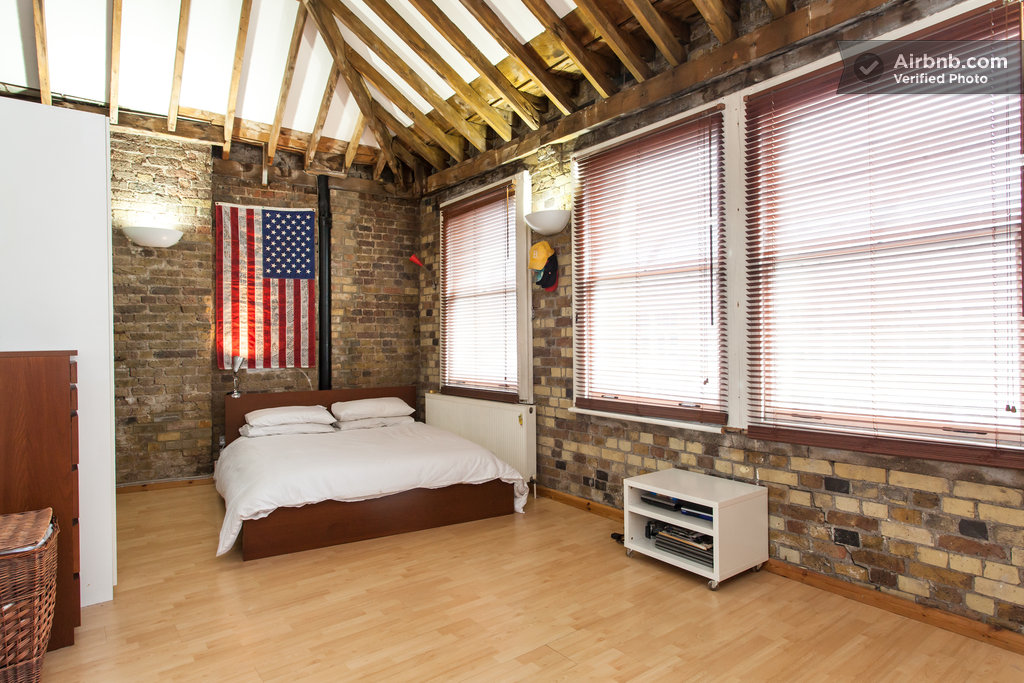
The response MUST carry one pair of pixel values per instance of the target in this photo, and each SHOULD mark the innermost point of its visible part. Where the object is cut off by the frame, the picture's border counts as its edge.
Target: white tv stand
(738, 524)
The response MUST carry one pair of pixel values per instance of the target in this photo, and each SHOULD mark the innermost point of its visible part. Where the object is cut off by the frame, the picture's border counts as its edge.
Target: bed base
(291, 530)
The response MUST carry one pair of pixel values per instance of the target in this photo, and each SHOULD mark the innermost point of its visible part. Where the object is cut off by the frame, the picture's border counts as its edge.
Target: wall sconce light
(548, 221)
(152, 237)
(236, 365)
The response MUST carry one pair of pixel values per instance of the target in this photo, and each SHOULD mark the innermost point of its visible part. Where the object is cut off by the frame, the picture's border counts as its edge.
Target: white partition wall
(55, 290)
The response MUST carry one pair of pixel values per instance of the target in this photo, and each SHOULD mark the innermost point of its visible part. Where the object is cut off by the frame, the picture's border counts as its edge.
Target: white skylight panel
(209, 55)
(270, 32)
(149, 38)
(17, 44)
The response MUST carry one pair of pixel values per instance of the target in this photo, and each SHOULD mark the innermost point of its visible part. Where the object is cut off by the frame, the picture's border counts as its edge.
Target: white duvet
(257, 476)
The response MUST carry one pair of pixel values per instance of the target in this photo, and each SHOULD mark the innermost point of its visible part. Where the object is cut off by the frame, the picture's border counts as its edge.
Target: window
(648, 275)
(479, 335)
(884, 266)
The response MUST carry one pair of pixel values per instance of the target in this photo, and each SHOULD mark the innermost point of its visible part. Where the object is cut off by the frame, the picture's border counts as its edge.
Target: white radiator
(509, 430)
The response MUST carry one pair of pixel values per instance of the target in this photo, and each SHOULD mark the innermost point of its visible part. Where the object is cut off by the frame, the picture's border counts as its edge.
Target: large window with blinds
(648, 275)
(884, 266)
(479, 339)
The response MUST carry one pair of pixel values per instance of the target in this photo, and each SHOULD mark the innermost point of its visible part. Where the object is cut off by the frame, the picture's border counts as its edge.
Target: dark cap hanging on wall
(548, 277)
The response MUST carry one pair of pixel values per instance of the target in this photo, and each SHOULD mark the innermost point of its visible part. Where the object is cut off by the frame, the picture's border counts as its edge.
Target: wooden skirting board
(171, 484)
(1000, 637)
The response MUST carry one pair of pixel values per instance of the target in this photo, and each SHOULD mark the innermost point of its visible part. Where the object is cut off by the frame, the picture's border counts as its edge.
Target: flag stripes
(267, 320)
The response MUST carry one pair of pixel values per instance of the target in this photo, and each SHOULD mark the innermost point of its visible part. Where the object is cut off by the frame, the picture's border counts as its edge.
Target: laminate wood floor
(541, 596)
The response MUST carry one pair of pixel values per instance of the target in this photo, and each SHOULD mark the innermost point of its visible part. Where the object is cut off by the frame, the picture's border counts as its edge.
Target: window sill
(679, 424)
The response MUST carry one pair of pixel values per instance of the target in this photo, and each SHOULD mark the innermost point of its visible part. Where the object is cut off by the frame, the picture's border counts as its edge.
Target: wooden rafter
(779, 8)
(396, 64)
(586, 61)
(236, 74)
(179, 64)
(321, 116)
(42, 60)
(286, 80)
(450, 143)
(818, 17)
(336, 45)
(353, 143)
(714, 12)
(115, 57)
(378, 167)
(432, 154)
(525, 55)
(454, 35)
(428, 54)
(614, 38)
(653, 23)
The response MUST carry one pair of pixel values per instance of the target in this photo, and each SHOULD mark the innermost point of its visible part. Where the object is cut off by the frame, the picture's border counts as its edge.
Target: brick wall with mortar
(163, 309)
(168, 390)
(944, 535)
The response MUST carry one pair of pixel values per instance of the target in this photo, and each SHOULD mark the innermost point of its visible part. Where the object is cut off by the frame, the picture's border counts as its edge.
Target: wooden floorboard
(541, 596)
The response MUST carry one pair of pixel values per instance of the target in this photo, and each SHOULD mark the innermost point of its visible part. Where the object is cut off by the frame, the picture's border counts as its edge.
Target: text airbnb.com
(950, 61)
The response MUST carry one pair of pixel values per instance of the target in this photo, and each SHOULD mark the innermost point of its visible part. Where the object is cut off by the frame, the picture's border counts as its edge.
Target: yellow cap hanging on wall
(539, 255)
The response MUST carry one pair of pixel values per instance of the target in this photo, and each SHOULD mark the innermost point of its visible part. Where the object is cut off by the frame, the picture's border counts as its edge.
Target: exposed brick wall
(944, 535)
(168, 390)
(162, 309)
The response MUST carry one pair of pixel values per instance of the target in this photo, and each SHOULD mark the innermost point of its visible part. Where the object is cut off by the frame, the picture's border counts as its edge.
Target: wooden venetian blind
(648, 275)
(478, 296)
(884, 266)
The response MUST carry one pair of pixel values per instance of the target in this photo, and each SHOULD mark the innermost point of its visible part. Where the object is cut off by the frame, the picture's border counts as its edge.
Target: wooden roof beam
(615, 39)
(321, 116)
(815, 19)
(428, 54)
(42, 60)
(115, 58)
(653, 23)
(586, 60)
(236, 74)
(179, 64)
(779, 8)
(336, 45)
(398, 65)
(454, 35)
(525, 55)
(353, 142)
(286, 80)
(434, 156)
(450, 143)
(717, 16)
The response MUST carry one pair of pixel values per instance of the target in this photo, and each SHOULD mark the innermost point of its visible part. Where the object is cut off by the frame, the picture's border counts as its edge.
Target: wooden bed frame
(290, 530)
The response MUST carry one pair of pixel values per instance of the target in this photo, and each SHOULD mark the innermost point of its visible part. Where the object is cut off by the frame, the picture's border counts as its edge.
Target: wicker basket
(28, 582)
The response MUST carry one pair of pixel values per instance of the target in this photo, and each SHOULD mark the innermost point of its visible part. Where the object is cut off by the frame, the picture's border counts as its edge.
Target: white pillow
(296, 428)
(268, 417)
(390, 406)
(371, 422)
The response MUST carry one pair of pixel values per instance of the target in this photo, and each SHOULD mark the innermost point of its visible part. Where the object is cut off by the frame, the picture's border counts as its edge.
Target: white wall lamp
(236, 365)
(548, 221)
(152, 237)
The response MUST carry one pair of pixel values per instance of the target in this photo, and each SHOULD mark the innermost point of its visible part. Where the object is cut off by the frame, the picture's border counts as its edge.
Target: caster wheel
(712, 585)
(758, 567)
(629, 553)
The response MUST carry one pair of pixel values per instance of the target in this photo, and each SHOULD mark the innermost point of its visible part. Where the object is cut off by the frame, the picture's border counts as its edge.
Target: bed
(294, 527)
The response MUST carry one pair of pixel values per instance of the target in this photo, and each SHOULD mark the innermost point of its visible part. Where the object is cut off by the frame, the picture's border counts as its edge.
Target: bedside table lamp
(236, 364)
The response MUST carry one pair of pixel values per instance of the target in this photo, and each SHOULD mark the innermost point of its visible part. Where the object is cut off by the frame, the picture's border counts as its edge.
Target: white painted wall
(56, 284)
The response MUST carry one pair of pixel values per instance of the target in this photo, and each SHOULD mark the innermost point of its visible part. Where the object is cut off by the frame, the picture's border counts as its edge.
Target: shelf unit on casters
(738, 524)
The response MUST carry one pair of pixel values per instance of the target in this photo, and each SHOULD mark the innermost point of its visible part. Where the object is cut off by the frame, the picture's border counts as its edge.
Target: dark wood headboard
(236, 408)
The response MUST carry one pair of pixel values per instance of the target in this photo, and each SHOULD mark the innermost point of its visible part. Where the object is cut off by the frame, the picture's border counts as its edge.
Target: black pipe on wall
(323, 200)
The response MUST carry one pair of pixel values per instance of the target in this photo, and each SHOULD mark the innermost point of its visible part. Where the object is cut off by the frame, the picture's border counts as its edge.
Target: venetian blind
(648, 275)
(478, 296)
(884, 265)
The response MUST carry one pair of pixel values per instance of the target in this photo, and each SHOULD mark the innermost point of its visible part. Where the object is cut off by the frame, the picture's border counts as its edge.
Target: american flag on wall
(265, 297)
